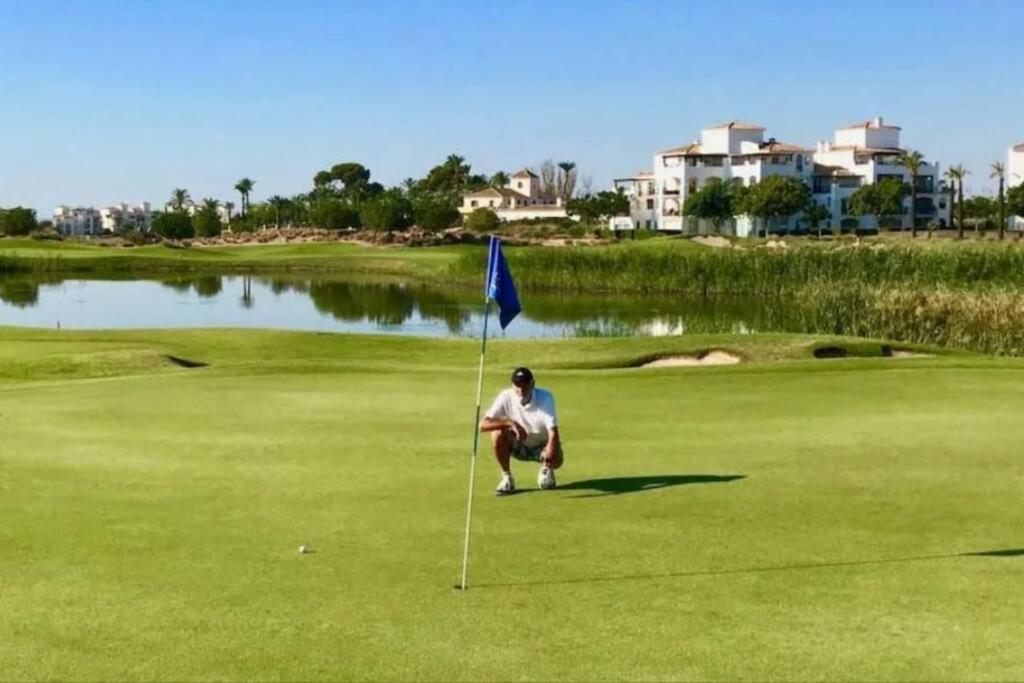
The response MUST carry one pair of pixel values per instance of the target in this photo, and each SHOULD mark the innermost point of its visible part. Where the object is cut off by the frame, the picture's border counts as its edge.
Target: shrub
(174, 225)
(482, 220)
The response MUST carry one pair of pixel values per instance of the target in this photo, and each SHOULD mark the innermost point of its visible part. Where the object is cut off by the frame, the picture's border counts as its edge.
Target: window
(650, 204)
(799, 163)
(692, 186)
(519, 184)
(472, 203)
(844, 207)
(753, 181)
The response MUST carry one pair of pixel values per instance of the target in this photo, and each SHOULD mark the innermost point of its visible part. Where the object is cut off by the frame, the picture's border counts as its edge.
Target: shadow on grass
(614, 486)
(1009, 552)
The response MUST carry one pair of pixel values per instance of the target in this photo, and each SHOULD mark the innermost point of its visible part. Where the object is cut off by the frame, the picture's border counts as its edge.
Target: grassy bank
(22, 255)
(783, 519)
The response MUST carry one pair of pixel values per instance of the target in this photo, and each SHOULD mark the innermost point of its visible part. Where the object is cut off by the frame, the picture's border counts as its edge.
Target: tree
(912, 161)
(499, 179)
(1015, 201)
(883, 200)
(980, 211)
(179, 198)
(322, 179)
(599, 207)
(816, 214)
(206, 222)
(334, 214)
(713, 202)
(434, 213)
(776, 197)
(279, 203)
(999, 171)
(17, 221)
(566, 180)
(244, 187)
(482, 220)
(229, 207)
(956, 175)
(173, 225)
(548, 178)
(389, 210)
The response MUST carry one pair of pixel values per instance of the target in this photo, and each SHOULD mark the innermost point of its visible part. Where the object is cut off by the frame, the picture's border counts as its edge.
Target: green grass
(151, 514)
(68, 256)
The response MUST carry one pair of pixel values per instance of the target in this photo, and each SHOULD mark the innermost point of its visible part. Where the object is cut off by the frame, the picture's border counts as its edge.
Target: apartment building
(1015, 177)
(77, 220)
(736, 151)
(123, 216)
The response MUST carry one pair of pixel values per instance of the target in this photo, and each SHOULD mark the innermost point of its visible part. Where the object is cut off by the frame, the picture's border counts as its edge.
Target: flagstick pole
(476, 421)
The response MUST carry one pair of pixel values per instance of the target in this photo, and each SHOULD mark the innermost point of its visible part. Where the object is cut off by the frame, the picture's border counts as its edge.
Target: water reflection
(346, 305)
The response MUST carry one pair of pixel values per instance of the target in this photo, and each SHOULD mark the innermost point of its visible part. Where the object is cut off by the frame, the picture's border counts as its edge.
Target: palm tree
(912, 161)
(179, 198)
(244, 187)
(568, 180)
(999, 171)
(956, 175)
(229, 207)
(210, 204)
(499, 179)
(278, 202)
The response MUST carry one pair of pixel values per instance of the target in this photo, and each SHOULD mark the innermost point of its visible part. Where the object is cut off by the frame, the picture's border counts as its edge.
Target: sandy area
(709, 358)
(716, 241)
(910, 354)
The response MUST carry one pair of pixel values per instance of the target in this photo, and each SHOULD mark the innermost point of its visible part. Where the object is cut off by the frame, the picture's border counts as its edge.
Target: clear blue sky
(111, 100)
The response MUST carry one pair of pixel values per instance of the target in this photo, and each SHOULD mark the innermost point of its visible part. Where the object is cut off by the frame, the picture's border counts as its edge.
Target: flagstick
(476, 442)
(476, 422)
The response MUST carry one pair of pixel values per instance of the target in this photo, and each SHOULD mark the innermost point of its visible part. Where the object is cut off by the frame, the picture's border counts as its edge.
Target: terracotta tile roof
(776, 147)
(525, 173)
(498, 192)
(822, 169)
(1019, 147)
(870, 123)
(682, 150)
(866, 150)
(736, 125)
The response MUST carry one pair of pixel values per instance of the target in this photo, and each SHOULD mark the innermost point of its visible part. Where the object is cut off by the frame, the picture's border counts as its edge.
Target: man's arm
(493, 424)
(552, 445)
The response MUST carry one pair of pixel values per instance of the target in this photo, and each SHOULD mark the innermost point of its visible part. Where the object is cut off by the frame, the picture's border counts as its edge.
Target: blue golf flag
(500, 287)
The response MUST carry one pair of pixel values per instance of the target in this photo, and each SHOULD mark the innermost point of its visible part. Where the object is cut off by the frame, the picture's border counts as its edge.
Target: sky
(113, 100)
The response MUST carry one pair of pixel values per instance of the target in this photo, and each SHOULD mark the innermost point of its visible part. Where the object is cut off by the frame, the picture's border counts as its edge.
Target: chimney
(877, 122)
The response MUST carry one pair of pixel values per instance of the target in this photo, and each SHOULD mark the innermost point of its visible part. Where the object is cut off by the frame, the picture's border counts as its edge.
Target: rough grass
(784, 519)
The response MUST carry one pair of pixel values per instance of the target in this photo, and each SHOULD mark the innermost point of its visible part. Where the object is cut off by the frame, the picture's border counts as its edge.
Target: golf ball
(302, 549)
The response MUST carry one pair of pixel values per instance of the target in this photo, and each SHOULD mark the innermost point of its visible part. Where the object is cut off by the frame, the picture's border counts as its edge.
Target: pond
(338, 305)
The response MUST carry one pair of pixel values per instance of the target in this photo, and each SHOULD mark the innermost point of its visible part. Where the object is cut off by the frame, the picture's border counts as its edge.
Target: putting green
(785, 518)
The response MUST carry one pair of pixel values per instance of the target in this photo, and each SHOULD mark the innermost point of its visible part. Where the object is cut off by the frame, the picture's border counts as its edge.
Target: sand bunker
(709, 358)
(716, 241)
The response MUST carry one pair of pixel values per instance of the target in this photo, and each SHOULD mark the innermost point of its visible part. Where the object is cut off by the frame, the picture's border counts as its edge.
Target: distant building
(191, 208)
(1015, 177)
(519, 199)
(77, 220)
(123, 216)
(736, 151)
(865, 153)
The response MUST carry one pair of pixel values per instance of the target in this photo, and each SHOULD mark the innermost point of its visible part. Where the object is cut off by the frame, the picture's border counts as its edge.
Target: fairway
(782, 519)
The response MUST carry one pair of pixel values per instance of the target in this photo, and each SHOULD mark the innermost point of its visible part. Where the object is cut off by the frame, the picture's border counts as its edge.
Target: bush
(432, 213)
(206, 223)
(482, 220)
(387, 211)
(17, 221)
(335, 215)
(174, 225)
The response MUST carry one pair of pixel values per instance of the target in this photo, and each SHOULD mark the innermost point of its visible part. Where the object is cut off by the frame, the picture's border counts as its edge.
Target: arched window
(753, 181)
(693, 185)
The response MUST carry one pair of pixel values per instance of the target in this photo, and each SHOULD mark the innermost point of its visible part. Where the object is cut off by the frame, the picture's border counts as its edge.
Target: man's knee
(499, 439)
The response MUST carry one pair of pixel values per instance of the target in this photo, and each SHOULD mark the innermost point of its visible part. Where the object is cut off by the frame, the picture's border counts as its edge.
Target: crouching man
(523, 426)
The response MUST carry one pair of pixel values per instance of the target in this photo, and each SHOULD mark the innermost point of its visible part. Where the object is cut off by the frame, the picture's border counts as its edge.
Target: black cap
(522, 376)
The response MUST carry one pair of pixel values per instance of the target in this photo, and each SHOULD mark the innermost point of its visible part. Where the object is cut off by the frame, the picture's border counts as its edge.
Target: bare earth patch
(910, 354)
(716, 241)
(710, 358)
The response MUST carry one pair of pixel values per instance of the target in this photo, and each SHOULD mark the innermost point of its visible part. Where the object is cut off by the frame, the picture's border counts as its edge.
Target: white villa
(77, 220)
(1015, 177)
(865, 153)
(81, 220)
(860, 154)
(191, 208)
(122, 215)
(519, 199)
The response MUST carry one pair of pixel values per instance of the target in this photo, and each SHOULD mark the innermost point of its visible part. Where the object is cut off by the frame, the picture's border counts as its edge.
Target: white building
(639, 189)
(139, 217)
(1015, 177)
(729, 151)
(77, 220)
(191, 208)
(865, 153)
(519, 199)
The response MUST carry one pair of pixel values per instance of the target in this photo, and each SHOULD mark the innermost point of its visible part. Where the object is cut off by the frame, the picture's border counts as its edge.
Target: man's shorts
(520, 451)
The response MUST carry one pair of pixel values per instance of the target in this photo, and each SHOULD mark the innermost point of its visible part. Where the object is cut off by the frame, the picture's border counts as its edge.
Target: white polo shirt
(537, 416)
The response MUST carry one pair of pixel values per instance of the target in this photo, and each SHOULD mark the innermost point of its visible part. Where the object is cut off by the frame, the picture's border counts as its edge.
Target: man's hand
(516, 431)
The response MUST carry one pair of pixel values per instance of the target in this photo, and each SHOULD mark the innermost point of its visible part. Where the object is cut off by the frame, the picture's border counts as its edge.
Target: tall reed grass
(748, 271)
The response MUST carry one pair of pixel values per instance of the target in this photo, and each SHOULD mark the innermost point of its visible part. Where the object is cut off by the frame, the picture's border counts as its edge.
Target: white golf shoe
(546, 478)
(506, 486)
